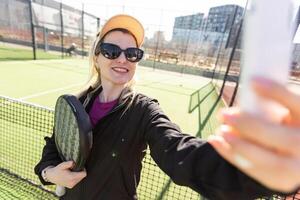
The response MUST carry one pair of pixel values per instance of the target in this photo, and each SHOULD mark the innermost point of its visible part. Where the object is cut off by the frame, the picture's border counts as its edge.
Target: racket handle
(60, 190)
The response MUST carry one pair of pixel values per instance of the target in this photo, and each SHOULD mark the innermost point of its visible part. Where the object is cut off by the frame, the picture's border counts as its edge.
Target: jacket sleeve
(50, 157)
(193, 162)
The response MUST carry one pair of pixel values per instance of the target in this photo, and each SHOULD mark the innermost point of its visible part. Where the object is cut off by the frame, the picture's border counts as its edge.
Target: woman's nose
(121, 58)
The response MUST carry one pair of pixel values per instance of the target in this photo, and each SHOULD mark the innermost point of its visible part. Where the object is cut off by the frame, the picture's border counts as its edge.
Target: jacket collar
(126, 95)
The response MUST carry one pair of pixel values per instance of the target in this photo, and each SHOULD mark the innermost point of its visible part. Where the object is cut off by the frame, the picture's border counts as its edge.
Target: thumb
(66, 165)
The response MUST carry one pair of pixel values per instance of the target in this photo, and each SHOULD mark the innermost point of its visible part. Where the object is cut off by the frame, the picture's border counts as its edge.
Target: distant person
(72, 49)
(125, 123)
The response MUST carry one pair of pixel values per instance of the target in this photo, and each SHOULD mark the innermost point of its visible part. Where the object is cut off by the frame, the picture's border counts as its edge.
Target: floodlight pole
(32, 29)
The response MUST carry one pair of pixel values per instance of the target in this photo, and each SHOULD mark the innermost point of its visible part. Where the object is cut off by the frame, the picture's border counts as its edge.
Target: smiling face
(119, 71)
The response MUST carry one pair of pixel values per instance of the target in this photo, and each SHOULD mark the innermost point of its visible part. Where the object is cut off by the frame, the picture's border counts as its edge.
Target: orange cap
(125, 22)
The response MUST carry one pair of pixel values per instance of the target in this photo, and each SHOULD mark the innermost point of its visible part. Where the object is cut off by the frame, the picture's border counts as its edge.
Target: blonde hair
(94, 78)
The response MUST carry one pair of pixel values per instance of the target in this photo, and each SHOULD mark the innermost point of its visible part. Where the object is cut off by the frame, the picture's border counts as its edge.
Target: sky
(154, 14)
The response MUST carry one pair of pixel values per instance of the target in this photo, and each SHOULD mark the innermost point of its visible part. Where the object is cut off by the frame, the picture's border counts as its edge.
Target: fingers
(66, 165)
(263, 132)
(272, 90)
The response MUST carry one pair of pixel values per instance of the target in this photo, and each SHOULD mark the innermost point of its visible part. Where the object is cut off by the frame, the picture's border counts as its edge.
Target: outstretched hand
(267, 151)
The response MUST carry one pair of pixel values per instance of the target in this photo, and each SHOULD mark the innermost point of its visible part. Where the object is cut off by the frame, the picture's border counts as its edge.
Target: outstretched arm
(193, 162)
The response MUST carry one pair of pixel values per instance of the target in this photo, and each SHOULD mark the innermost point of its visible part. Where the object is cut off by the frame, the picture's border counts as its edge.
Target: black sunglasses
(112, 51)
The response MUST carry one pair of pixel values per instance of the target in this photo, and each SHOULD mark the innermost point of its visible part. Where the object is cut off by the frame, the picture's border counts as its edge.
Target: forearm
(194, 163)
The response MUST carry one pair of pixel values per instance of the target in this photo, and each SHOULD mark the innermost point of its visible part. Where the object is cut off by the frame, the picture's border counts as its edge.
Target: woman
(267, 151)
(126, 122)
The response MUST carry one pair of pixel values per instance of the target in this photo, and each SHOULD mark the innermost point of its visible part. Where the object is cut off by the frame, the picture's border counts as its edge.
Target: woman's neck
(110, 92)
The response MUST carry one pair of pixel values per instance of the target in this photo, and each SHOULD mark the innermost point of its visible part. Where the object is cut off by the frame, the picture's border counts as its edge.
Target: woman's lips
(120, 69)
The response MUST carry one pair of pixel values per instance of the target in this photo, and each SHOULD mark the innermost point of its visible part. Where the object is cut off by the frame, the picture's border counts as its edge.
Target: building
(222, 21)
(187, 32)
(221, 28)
(192, 22)
(195, 31)
(186, 29)
(221, 18)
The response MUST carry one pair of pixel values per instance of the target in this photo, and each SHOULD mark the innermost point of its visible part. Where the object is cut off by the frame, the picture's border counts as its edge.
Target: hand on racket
(73, 139)
(63, 176)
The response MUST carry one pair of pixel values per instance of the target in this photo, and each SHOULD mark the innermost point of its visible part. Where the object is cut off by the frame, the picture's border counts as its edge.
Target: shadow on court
(207, 102)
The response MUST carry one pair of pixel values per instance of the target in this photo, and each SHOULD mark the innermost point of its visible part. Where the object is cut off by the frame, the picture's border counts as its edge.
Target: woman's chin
(121, 82)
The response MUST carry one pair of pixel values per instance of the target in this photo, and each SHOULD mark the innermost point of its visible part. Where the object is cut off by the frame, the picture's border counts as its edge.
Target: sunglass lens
(134, 54)
(110, 51)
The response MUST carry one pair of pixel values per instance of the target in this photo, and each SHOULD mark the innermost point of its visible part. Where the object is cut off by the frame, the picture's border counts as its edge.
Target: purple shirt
(99, 110)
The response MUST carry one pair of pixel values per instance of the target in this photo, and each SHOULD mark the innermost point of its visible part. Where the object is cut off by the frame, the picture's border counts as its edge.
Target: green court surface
(7, 52)
(41, 82)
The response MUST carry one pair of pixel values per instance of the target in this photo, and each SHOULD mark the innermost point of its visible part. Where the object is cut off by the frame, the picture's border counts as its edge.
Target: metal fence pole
(238, 35)
(32, 29)
(82, 31)
(98, 24)
(45, 35)
(231, 57)
(234, 93)
(61, 30)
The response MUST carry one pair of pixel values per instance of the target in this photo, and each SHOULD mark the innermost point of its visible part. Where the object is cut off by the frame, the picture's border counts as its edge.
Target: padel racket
(73, 133)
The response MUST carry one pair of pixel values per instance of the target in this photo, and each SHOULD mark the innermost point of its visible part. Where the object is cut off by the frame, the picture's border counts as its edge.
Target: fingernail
(223, 128)
(242, 162)
(215, 140)
(226, 133)
(229, 137)
(214, 137)
(228, 116)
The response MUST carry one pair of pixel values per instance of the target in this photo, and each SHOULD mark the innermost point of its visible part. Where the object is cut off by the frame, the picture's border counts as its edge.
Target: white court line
(49, 91)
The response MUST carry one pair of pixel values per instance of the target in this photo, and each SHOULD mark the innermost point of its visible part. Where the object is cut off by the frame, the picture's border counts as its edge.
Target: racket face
(67, 136)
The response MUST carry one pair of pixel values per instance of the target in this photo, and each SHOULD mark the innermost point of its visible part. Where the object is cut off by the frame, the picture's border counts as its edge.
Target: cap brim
(126, 22)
